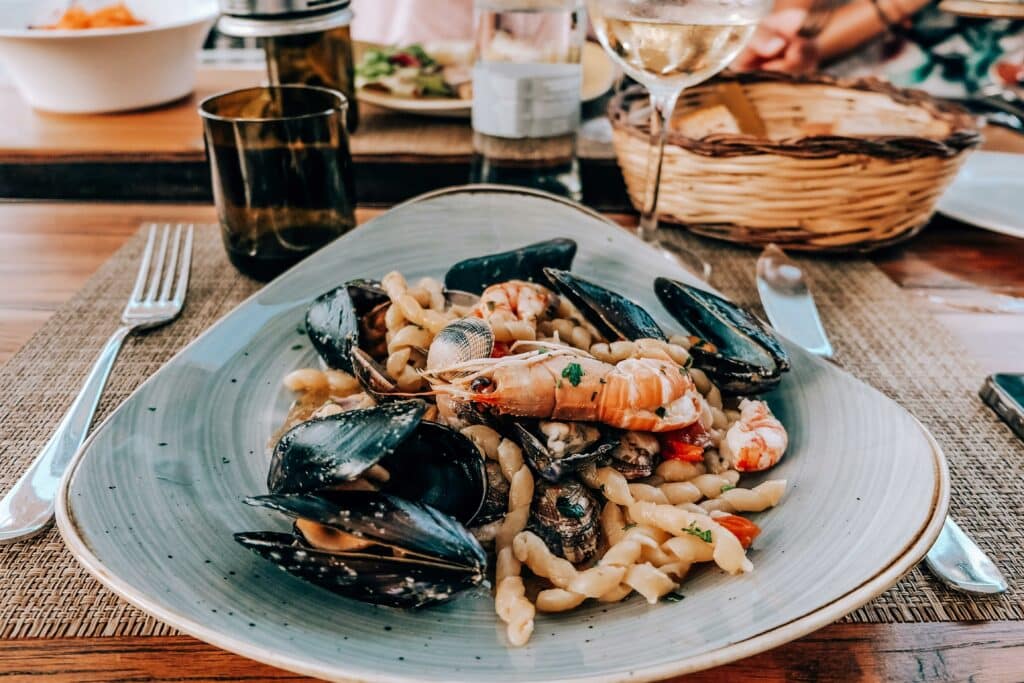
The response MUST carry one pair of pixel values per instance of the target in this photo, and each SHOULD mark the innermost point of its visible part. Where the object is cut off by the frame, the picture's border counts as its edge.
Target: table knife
(955, 558)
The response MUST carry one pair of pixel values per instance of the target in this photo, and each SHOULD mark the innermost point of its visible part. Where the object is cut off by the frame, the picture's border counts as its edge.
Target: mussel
(737, 351)
(615, 317)
(334, 321)
(526, 263)
(371, 546)
(428, 462)
(555, 448)
(496, 503)
(565, 515)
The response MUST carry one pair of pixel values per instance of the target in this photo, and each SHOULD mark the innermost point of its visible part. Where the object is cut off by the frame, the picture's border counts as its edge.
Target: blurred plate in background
(599, 76)
(989, 193)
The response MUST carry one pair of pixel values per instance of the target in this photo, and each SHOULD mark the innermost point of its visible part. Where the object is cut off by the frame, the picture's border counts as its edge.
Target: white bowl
(103, 70)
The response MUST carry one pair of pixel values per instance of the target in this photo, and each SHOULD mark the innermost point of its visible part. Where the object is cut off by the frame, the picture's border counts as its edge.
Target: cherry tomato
(740, 527)
(684, 444)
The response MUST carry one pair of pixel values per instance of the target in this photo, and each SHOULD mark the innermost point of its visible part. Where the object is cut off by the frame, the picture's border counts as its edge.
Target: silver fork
(156, 299)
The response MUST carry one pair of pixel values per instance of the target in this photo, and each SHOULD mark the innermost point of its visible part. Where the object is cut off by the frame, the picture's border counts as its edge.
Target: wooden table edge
(990, 651)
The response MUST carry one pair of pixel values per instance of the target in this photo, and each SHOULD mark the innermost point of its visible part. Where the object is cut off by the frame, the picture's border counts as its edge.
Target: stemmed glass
(669, 45)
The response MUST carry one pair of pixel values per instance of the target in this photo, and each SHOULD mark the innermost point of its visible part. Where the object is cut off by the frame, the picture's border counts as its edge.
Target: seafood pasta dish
(521, 428)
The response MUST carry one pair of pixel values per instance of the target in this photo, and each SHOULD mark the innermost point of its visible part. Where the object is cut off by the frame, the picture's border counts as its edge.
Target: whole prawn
(563, 383)
(757, 440)
(512, 308)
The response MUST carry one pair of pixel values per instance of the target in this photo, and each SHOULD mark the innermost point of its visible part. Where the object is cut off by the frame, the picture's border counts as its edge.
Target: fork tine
(172, 265)
(183, 269)
(147, 253)
(154, 277)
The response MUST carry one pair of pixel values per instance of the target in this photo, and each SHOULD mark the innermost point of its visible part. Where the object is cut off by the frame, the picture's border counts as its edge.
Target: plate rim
(885, 577)
(942, 205)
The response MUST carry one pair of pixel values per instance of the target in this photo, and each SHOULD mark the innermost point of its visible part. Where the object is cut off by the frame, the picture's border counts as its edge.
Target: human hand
(777, 47)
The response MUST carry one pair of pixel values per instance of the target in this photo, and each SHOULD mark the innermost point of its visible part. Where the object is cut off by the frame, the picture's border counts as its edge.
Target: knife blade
(788, 302)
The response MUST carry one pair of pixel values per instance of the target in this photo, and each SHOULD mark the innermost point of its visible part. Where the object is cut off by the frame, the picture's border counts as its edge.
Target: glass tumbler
(281, 171)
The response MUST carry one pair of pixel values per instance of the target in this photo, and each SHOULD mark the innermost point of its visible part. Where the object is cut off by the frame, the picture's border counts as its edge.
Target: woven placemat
(879, 334)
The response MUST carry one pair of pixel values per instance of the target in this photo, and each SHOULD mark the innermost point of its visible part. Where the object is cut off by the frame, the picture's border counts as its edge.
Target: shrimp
(560, 382)
(512, 308)
(756, 441)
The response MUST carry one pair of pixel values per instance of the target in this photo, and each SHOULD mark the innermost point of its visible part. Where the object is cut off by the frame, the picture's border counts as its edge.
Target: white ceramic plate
(598, 77)
(989, 193)
(151, 502)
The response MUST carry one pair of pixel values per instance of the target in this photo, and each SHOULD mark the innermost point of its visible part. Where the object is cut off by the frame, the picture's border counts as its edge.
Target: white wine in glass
(669, 45)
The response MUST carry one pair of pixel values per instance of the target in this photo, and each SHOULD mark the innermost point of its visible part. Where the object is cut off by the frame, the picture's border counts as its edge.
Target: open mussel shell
(322, 453)
(741, 355)
(615, 317)
(333, 320)
(526, 263)
(554, 466)
(440, 467)
(565, 515)
(373, 377)
(409, 554)
(496, 503)
(427, 462)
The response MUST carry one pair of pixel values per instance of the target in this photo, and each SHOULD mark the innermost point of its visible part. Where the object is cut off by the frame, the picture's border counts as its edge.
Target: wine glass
(669, 45)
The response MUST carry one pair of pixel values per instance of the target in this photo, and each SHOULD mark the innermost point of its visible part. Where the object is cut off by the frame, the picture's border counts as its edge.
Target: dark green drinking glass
(281, 171)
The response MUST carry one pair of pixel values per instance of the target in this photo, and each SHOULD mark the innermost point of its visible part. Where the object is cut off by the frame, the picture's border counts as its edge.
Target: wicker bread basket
(814, 192)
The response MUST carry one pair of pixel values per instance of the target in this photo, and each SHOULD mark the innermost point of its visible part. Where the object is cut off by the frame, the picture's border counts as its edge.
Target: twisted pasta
(641, 348)
(761, 497)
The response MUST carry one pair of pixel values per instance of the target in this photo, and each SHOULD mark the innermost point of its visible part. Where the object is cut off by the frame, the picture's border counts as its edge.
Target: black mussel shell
(552, 466)
(496, 503)
(744, 356)
(615, 317)
(327, 451)
(440, 467)
(332, 320)
(373, 377)
(393, 582)
(436, 558)
(565, 516)
(389, 520)
(526, 263)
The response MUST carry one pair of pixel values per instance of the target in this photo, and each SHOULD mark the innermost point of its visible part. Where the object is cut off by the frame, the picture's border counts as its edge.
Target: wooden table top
(47, 250)
(157, 154)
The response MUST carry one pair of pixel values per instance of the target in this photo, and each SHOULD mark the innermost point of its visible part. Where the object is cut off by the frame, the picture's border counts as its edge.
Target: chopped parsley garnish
(629, 526)
(543, 350)
(672, 596)
(727, 487)
(574, 373)
(702, 534)
(660, 411)
(568, 508)
(689, 363)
